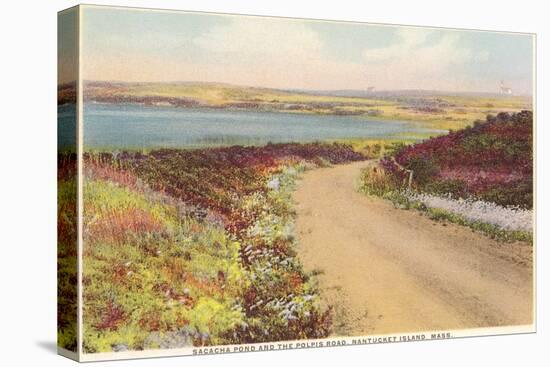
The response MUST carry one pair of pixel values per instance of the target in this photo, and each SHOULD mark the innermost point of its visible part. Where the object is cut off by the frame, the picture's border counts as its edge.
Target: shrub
(424, 170)
(493, 160)
(480, 176)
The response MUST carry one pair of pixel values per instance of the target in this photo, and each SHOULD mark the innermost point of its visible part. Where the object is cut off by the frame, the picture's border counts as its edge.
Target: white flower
(274, 183)
(509, 218)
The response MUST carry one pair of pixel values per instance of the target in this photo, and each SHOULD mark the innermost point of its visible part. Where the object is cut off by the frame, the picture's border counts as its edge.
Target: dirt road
(388, 270)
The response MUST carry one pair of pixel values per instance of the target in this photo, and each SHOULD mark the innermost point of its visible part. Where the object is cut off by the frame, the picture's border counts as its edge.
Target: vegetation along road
(387, 270)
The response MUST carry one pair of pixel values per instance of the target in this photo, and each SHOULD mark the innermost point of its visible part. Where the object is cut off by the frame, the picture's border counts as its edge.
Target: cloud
(262, 40)
(429, 59)
(281, 53)
(409, 39)
(287, 53)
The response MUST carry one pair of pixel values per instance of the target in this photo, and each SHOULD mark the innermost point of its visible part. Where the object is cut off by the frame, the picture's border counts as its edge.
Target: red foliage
(495, 155)
(111, 316)
(116, 225)
(111, 173)
(211, 179)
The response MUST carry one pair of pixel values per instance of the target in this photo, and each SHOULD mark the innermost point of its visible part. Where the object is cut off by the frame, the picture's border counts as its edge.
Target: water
(66, 127)
(131, 126)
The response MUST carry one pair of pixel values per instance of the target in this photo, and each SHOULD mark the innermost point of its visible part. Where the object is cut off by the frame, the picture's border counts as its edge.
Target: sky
(67, 47)
(135, 45)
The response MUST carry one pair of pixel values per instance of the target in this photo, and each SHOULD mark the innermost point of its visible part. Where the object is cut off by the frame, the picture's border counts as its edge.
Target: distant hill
(66, 93)
(439, 110)
(400, 93)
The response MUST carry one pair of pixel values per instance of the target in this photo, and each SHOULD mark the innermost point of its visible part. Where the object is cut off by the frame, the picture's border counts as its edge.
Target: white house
(504, 89)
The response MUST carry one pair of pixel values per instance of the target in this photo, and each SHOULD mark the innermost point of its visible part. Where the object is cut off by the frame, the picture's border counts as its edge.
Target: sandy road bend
(388, 270)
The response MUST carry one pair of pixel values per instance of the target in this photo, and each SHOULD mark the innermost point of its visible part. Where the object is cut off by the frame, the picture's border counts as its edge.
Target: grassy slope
(492, 161)
(196, 247)
(148, 270)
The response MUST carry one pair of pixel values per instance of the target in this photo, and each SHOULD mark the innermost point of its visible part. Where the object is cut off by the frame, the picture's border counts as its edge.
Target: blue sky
(136, 45)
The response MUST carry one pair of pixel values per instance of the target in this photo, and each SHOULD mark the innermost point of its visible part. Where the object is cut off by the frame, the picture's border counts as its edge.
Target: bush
(457, 188)
(424, 170)
(492, 160)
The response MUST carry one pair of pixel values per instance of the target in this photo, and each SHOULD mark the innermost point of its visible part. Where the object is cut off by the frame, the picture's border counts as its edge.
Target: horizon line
(302, 90)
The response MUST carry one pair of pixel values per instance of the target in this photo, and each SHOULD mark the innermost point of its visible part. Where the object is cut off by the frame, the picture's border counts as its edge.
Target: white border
(294, 344)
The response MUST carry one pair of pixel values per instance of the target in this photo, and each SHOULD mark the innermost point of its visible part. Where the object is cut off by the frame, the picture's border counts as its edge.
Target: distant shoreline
(436, 110)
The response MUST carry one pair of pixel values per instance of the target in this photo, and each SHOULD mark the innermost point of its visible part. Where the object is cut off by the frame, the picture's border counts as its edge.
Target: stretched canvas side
(68, 183)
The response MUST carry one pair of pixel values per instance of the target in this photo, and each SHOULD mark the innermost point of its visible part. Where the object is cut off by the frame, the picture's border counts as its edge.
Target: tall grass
(196, 247)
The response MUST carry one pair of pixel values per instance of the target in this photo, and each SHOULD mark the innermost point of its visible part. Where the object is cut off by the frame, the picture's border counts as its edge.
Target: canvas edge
(68, 354)
(80, 185)
(535, 176)
(75, 355)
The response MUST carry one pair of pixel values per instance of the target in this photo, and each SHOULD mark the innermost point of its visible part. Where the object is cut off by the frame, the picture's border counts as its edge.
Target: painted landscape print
(252, 179)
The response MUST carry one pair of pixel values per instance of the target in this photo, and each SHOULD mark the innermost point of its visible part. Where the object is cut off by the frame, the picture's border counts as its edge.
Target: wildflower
(274, 183)
(509, 218)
